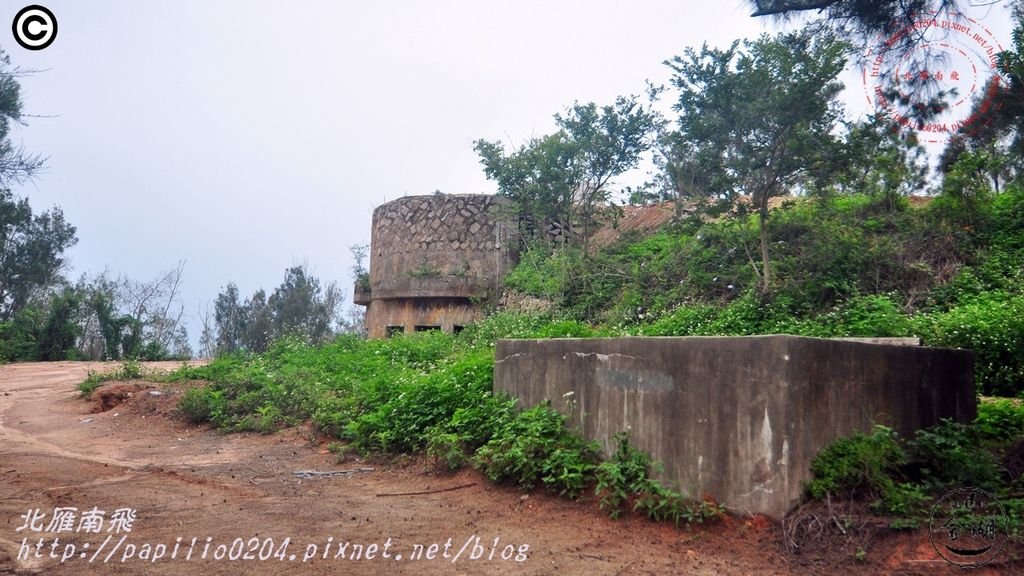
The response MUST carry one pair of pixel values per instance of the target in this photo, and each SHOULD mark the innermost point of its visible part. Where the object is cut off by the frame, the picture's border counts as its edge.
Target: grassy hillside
(847, 266)
(844, 266)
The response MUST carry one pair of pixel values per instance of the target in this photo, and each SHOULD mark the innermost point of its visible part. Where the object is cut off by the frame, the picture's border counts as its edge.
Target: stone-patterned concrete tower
(433, 260)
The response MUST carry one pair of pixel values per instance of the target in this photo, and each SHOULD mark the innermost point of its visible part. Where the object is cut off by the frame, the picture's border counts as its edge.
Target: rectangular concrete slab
(737, 418)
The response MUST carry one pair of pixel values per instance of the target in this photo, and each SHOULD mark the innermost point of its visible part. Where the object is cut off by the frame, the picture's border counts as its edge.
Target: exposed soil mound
(642, 220)
(113, 395)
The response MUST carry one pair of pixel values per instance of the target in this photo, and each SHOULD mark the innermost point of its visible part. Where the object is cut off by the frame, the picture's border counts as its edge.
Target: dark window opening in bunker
(456, 329)
(395, 330)
(427, 328)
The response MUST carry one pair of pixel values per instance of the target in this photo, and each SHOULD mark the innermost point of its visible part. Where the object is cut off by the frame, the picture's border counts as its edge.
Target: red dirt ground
(57, 450)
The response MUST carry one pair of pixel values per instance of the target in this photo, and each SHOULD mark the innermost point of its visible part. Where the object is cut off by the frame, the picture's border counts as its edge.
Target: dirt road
(205, 502)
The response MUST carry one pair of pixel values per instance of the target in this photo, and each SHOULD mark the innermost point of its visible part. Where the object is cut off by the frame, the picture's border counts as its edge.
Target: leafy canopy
(758, 121)
(31, 251)
(564, 176)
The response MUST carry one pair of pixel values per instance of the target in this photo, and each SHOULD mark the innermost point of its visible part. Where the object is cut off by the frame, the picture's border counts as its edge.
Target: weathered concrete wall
(409, 313)
(423, 245)
(431, 257)
(737, 418)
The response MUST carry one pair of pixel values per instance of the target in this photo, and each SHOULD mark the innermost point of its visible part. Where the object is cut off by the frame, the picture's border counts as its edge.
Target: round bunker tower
(433, 261)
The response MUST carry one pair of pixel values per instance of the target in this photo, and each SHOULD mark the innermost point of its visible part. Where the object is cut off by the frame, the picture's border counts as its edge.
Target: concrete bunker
(737, 418)
(433, 261)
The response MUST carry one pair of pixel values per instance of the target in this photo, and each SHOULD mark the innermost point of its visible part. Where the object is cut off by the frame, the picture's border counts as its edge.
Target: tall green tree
(300, 307)
(1008, 109)
(607, 141)
(61, 331)
(758, 118)
(229, 318)
(539, 177)
(257, 323)
(987, 152)
(991, 143)
(31, 251)
(566, 175)
(878, 159)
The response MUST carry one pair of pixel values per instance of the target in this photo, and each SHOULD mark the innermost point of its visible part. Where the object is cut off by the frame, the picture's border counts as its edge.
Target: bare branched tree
(155, 309)
(208, 338)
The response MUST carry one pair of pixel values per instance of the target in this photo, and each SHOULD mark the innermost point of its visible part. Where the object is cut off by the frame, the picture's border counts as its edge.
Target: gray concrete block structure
(737, 418)
(433, 260)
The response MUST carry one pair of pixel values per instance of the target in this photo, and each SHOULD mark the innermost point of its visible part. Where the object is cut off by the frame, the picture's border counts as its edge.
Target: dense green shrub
(1000, 420)
(202, 404)
(625, 478)
(502, 325)
(685, 320)
(392, 395)
(952, 455)
(419, 403)
(867, 466)
(874, 315)
(536, 447)
(858, 464)
(901, 479)
(991, 325)
(540, 273)
(823, 252)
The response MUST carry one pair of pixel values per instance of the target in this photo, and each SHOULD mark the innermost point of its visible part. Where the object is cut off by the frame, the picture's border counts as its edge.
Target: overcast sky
(246, 137)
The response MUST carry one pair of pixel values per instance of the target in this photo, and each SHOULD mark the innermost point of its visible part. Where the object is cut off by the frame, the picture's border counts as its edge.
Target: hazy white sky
(249, 136)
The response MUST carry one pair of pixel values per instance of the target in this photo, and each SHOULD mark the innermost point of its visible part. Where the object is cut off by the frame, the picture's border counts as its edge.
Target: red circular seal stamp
(960, 54)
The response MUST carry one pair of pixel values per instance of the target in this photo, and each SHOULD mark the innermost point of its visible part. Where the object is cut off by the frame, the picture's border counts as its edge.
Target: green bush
(874, 315)
(89, 385)
(569, 469)
(476, 423)
(535, 447)
(500, 325)
(622, 477)
(446, 447)
(417, 404)
(991, 325)
(868, 466)
(197, 405)
(951, 455)
(686, 320)
(540, 273)
(860, 464)
(626, 477)
(1000, 419)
